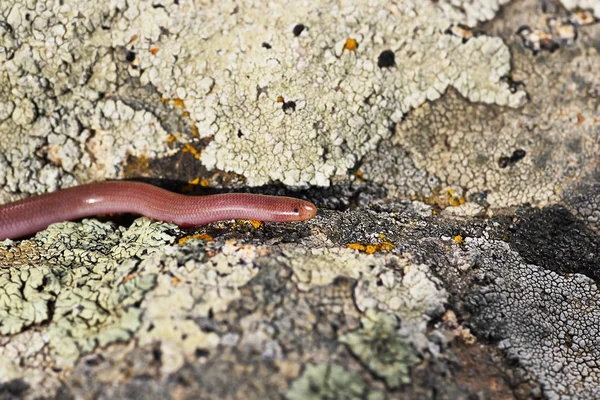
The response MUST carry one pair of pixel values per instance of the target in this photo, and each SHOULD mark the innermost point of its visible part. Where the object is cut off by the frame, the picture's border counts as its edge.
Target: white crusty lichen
(313, 108)
(62, 118)
(295, 92)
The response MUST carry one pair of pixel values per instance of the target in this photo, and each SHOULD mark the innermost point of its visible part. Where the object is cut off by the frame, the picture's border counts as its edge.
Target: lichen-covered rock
(330, 381)
(82, 280)
(428, 272)
(309, 89)
(379, 347)
(546, 322)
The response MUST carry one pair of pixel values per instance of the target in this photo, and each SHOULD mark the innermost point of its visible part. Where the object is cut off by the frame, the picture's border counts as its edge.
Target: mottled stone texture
(453, 150)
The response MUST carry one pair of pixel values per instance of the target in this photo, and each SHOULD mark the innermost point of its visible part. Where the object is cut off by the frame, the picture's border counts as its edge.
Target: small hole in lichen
(266, 45)
(518, 155)
(240, 133)
(298, 29)
(130, 57)
(156, 354)
(201, 353)
(289, 107)
(386, 59)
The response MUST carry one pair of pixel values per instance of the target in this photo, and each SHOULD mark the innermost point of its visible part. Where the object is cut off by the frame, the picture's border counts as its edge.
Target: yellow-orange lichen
(351, 44)
(200, 236)
(178, 103)
(188, 148)
(371, 248)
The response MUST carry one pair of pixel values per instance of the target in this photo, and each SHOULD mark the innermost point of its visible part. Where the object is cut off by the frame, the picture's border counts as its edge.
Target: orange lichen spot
(385, 246)
(164, 100)
(458, 239)
(128, 278)
(178, 103)
(455, 202)
(133, 39)
(175, 281)
(434, 212)
(371, 248)
(153, 50)
(256, 224)
(142, 162)
(580, 119)
(195, 131)
(205, 182)
(356, 246)
(280, 99)
(381, 236)
(194, 181)
(351, 44)
(359, 175)
(200, 236)
(188, 148)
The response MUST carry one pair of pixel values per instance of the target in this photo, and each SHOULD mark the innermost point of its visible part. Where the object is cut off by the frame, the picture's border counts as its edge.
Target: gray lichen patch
(325, 381)
(379, 346)
(84, 280)
(547, 322)
(499, 157)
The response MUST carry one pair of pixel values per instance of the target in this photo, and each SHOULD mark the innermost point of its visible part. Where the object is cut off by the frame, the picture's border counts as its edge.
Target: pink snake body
(28, 216)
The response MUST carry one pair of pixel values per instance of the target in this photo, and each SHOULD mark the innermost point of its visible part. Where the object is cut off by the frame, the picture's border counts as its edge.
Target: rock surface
(453, 150)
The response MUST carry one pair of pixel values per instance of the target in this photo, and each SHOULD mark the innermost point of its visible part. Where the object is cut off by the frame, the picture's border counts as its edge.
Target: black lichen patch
(289, 107)
(516, 156)
(386, 59)
(266, 45)
(554, 239)
(298, 29)
(14, 389)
